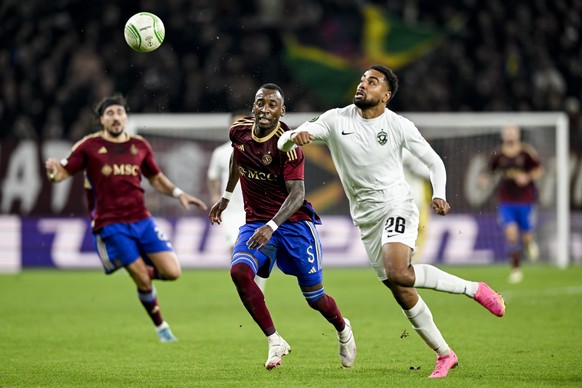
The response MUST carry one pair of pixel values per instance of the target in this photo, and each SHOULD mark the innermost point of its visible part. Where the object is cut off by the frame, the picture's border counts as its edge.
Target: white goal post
(443, 128)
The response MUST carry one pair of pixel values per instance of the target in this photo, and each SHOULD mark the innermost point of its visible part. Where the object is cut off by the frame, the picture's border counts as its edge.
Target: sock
(274, 339)
(328, 308)
(515, 258)
(149, 301)
(253, 299)
(162, 326)
(514, 252)
(261, 282)
(428, 276)
(422, 322)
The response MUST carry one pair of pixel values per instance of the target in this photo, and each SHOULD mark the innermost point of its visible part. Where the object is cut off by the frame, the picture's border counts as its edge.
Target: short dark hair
(116, 99)
(391, 78)
(272, 86)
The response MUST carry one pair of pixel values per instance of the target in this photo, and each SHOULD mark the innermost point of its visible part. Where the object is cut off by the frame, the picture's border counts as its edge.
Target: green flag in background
(385, 40)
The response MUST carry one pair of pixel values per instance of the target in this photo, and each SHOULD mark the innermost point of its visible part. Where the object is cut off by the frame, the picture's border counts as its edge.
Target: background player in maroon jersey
(519, 166)
(279, 223)
(124, 231)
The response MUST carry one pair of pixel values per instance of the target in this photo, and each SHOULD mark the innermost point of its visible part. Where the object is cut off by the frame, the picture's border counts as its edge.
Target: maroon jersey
(113, 175)
(525, 161)
(263, 171)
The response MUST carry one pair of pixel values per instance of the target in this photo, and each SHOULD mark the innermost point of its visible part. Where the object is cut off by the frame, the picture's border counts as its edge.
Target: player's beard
(365, 103)
(113, 132)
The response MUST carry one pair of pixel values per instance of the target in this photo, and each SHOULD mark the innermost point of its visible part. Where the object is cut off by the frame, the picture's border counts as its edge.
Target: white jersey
(368, 157)
(415, 174)
(234, 215)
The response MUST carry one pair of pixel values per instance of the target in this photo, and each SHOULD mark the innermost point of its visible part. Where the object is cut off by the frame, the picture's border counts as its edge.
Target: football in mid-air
(144, 32)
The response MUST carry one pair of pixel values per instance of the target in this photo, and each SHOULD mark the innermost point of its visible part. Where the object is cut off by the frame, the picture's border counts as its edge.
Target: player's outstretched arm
(291, 139)
(162, 184)
(292, 203)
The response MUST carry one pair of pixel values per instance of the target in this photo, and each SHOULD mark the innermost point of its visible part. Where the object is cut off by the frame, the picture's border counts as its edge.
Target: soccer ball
(144, 32)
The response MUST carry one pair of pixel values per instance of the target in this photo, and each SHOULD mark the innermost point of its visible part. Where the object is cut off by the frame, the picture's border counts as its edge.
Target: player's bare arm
(162, 184)
(215, 215)
(54, 171)
(292, 203)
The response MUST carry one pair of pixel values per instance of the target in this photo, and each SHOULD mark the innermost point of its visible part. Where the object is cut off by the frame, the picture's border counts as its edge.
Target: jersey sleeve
(149, 166)
(77, 159)
(294, 166)
(419, 147)
(318, 127)
(534, 160)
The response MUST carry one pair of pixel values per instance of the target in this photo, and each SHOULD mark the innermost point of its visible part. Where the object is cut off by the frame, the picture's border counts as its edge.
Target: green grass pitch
(84, 329)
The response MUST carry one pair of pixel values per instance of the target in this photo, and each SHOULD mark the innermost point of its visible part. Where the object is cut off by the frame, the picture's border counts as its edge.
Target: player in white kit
(366, 141)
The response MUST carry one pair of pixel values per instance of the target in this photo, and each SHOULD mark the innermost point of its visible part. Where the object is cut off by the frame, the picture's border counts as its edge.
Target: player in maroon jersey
(280, 223)
(125, 233)
(519, 166)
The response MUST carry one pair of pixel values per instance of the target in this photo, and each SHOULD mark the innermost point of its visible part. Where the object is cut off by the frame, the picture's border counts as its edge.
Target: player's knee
(172, 274)
(316, 299)
(241, 273)
(400, 276)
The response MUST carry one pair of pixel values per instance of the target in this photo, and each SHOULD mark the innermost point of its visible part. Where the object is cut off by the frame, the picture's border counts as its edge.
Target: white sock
(428, 276)
(261, 282)
(162, 326)
(345, 334)
(274, 339)
(422, 322)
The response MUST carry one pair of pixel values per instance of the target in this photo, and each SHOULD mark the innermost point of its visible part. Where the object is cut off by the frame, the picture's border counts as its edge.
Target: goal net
(470, 234)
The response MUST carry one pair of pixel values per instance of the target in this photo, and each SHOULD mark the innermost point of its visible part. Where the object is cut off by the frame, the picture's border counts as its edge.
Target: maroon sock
(515, 259)
(149, 301)
(328, 308)
(252, 297)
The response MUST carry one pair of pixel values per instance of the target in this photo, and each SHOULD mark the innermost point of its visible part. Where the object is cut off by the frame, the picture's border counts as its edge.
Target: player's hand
(51, 166)
(187, 199)
(215, 215)
(302, 138)
(440, 206)
(522, 179)
(261, 236)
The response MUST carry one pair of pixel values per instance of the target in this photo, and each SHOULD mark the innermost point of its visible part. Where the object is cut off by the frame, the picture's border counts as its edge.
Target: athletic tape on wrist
(273, 225)
(177, 192)
(227, 195)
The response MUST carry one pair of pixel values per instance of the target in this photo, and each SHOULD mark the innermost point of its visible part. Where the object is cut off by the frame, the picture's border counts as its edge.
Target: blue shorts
(294, 246)
(516, 213)
(119, 245)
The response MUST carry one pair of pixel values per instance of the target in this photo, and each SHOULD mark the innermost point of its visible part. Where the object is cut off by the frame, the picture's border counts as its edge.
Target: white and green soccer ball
(144, 32)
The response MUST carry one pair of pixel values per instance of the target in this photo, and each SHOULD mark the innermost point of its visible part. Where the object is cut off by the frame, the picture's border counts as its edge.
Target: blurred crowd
(59, 57)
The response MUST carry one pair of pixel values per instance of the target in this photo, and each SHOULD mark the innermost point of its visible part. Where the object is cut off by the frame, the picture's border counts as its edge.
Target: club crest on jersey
(382, 137)
(106, 170)
(133, 150)
(267, 159)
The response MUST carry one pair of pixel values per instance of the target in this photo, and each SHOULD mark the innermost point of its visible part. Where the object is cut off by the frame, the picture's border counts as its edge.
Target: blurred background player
(234, 216)
(280, 223)
(519, 167)
(124, 231)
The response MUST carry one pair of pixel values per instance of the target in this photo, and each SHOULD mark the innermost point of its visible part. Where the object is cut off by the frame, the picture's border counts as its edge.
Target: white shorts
(400, 224)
